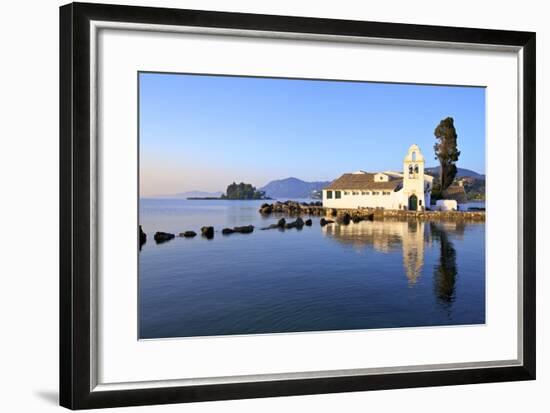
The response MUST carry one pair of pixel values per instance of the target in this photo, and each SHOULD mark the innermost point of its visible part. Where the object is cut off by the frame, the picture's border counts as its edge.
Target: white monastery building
(409, 190)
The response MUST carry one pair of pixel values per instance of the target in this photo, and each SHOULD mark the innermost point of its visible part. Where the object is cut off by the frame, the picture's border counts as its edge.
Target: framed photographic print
(256, 206)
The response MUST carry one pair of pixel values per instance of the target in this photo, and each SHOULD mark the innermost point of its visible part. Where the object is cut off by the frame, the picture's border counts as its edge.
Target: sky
(201, 132)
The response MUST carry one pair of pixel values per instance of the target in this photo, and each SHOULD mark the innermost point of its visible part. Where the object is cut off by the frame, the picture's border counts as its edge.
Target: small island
(236, 191)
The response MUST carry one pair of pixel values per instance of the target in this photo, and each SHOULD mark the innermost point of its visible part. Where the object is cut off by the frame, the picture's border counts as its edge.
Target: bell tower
(413, 179)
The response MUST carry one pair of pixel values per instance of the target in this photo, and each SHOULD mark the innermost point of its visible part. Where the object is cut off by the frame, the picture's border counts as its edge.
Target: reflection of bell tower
(413, 179)
(413, 250)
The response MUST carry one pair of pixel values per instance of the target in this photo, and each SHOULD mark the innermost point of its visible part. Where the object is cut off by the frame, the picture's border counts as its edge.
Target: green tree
(446, 152)
(242, 191)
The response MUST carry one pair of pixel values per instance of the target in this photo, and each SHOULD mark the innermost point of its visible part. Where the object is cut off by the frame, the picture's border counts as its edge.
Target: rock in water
(188, 234)
(324, 221)
(280, 224)
(299, 223)
(226, 231)
(142, 237)
(161, 237)
(207, 232)
(356, 218)
(309, 222)
(266, 209)
(247, 229)
(344, 219)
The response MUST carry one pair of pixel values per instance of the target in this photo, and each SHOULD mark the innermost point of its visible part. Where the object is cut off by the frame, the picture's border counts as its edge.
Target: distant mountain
(292, 188)
(196, 194)
(461, 172)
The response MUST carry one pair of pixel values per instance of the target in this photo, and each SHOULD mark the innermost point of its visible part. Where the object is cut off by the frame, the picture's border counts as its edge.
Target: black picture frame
(75, 219)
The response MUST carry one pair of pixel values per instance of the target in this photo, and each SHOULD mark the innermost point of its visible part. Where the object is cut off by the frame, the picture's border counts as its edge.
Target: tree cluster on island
(242, 191)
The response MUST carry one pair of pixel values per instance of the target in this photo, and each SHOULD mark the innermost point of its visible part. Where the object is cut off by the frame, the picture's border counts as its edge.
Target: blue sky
(204, 132)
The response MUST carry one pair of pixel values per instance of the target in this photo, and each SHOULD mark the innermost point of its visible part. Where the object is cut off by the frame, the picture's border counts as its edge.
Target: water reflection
(372, 274)
(445, 271)
(386, 236)
(411, 238)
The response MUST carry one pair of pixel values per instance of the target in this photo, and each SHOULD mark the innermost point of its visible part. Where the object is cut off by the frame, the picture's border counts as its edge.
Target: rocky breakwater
(345, 217)
(356, 215)
(298, 223)
(293, 208)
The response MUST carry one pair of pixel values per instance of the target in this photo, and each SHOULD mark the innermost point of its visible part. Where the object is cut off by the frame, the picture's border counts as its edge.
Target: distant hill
(293, 188)
(196, 194)
(461, 172)
(474, 185)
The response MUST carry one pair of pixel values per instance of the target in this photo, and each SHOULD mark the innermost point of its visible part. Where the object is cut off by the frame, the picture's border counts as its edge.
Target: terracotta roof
(363, 182)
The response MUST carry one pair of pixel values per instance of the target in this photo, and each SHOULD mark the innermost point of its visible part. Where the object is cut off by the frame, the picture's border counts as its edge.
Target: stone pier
(402, 215)
(313, 208)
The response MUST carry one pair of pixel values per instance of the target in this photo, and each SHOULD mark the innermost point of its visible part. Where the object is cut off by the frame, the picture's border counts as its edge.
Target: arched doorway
(413, 203)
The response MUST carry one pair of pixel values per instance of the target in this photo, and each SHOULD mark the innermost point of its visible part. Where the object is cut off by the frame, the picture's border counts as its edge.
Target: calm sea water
(359, 276)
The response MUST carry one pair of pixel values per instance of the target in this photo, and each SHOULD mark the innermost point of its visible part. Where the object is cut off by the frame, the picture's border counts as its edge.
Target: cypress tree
(446, 151)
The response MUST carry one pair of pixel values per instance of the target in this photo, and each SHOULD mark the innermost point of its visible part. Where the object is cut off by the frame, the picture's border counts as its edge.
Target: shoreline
(393, 214)
(297, 209)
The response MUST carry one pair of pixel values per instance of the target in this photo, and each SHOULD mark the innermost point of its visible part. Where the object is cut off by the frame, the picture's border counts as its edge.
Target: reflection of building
(413, 250)
(390, 190)
(409, 237)
(386, 236)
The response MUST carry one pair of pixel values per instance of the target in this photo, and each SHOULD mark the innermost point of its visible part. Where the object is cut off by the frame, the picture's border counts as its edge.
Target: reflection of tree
(388, 236)
(445, 272)
(457, 228)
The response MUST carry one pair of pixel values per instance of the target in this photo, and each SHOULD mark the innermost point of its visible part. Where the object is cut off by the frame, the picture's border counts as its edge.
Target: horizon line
(273, 180)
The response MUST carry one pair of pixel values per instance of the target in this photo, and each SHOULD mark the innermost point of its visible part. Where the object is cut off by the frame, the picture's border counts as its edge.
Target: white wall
(29, 206)
(390, 201)
(446, 205)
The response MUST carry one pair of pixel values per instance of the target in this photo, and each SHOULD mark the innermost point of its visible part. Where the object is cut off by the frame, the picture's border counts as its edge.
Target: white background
(29, 206)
